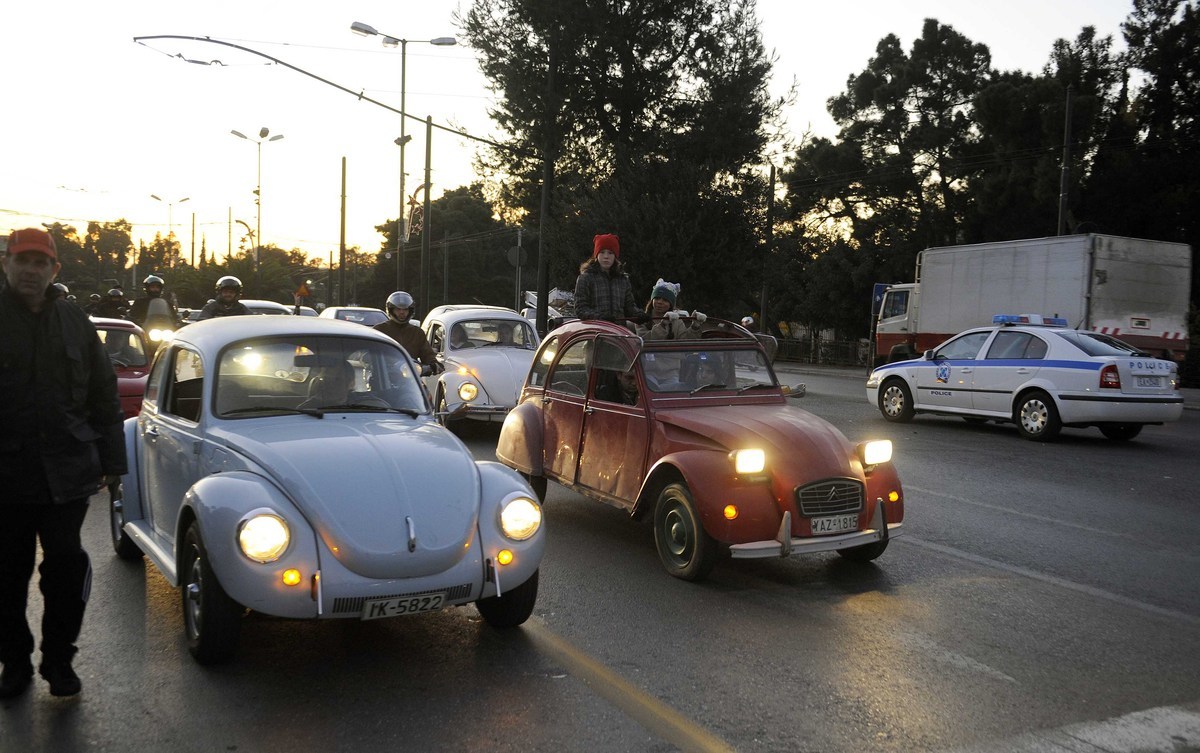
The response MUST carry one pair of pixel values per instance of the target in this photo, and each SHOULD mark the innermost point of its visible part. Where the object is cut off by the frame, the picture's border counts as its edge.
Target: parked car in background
(267, 307)
(698, 436)
(130, 352)
(292, 466)
(1036, 373)
(357, 314)
(486, 352)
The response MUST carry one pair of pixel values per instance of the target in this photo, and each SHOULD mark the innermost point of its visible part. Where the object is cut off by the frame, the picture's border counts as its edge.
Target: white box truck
(1133, 289)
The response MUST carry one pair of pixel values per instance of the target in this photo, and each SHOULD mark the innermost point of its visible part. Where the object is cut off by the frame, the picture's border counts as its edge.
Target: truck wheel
(895, 401)
(901, 353)
(1036, 417)
(1120, 432)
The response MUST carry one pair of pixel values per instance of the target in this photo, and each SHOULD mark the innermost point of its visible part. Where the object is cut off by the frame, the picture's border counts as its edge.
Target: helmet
(94, 297)
(399, 300)
(63, 290)
(229, 281)
(116, 293)
(152, 280)
(747, 321)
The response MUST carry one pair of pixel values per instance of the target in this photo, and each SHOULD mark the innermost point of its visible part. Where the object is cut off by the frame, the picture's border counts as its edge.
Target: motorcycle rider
(229, 290)
(152, 310)
(113, 306)
(400, 307)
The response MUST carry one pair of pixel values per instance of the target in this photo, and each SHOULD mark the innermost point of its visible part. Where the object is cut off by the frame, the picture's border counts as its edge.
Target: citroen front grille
(830, 497)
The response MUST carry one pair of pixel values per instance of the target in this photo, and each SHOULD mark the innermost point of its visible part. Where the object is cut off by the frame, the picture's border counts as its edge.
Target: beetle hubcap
(194, 587)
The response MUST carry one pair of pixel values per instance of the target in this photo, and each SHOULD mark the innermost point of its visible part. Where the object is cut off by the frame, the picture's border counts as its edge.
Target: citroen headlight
(520, 518)
(875, 452)
(263, 537)
(467, 391)
(749, 462)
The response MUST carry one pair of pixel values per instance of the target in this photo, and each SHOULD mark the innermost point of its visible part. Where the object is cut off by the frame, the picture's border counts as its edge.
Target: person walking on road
(62, 442)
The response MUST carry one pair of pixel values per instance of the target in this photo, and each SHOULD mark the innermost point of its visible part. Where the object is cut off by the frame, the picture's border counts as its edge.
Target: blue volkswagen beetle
(293, 466)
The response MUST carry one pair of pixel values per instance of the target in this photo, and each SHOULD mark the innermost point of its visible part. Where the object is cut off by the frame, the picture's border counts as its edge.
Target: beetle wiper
(274, 409)
(709, 386)
(755, 385)
(374, 407)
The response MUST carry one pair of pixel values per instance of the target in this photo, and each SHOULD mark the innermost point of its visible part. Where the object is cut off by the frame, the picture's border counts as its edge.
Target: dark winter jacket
(216, 308)
(412, 339)
(60, 416)
(601, 295)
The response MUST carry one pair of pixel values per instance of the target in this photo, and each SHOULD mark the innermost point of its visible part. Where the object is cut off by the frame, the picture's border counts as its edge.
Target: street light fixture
(263, 134)
(366, 30)
(170, 216)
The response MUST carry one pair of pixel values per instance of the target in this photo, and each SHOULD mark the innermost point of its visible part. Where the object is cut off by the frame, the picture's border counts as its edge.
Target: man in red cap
(62, 442)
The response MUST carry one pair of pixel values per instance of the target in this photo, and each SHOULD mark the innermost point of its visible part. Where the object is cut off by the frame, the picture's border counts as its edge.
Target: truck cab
(896, 326)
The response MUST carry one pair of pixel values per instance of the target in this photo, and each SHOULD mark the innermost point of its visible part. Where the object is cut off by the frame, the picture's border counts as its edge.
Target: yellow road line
(655, 716)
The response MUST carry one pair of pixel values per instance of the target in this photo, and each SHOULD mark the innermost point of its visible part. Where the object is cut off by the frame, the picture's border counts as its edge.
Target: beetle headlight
(520, 518)
(263, 537)
(875, 452)
(749, 462)
(467, 391)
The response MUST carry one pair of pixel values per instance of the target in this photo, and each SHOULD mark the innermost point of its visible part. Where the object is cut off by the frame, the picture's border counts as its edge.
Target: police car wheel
(1121, 432)
(1036, 417)
(895, 401)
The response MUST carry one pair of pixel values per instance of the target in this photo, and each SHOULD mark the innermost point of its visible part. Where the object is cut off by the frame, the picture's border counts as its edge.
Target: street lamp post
(263, 134)
(366, 30)
(170, 213)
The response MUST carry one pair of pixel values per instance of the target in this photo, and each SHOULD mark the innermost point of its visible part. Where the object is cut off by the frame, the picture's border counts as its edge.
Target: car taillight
(1110, 378)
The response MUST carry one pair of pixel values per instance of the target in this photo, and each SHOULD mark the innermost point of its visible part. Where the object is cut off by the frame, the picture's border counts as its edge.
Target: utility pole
(1065, 182)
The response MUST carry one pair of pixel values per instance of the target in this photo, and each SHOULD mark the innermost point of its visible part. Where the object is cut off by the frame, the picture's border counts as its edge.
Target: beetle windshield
(303, 372)
(696, 370)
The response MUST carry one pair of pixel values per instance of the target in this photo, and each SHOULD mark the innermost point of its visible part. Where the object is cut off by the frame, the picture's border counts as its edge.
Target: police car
(1038, 374)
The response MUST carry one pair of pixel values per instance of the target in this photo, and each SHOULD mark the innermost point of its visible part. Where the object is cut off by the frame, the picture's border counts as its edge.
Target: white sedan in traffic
(486, 352)
(1037, 374)
(292, 466)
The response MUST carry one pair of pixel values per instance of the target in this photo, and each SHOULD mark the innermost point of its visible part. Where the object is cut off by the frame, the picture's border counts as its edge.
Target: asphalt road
(1043, 597)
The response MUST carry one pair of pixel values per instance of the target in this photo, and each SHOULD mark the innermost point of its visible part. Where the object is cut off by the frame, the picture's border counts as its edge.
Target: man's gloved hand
(699, 317)
(673, 315)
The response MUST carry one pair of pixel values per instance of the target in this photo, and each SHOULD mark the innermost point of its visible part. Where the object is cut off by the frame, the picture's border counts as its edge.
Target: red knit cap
(606, 242)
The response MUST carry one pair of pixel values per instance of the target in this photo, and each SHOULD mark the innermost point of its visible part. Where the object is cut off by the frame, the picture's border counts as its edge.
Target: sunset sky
(95, 123)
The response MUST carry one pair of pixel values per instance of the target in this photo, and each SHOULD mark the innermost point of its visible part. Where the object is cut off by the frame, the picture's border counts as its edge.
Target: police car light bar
(1049, 321)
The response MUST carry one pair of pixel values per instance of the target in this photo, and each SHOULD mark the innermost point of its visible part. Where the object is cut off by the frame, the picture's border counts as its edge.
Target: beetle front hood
(788, 434)
(361, 480)
(501, 370)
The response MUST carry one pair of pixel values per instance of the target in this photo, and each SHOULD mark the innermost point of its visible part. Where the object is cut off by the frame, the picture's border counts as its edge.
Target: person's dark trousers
(65, 582)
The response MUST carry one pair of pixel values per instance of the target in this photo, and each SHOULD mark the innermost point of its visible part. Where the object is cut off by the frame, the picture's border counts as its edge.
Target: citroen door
(562, 410)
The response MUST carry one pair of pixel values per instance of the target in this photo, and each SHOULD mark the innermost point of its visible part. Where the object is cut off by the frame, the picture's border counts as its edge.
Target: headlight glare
(467, 391)
(521, 518)
(875, 452)
(263, 537)
(749, 462)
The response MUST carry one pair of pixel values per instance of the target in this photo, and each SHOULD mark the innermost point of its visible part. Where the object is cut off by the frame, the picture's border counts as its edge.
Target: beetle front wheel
(684, 547)
(211, 619)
